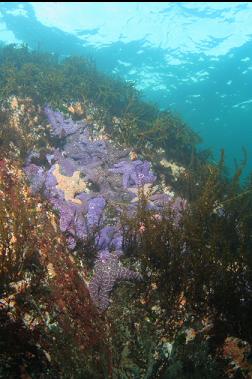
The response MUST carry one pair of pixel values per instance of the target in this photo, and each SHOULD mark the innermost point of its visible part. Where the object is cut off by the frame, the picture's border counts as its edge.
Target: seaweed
(195, 270)
(129, 119)
(45, 305)
(194, 258)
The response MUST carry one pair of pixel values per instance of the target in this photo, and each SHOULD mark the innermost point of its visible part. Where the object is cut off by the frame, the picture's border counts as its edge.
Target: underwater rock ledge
(82, 179)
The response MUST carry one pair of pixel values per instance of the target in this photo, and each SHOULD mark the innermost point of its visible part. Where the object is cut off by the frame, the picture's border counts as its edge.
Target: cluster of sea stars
(79, 161)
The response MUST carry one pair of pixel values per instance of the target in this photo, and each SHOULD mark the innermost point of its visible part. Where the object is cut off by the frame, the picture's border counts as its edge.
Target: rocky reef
(124, 252)
(82, 179)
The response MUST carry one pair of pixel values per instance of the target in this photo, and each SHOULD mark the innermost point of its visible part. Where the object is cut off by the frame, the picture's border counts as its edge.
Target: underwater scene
(125, 190)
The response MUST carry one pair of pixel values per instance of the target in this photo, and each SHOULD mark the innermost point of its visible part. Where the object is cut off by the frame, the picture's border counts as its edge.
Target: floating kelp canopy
(85, 139)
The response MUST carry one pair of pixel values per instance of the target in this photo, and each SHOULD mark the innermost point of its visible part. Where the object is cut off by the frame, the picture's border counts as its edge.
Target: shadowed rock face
(81, 179)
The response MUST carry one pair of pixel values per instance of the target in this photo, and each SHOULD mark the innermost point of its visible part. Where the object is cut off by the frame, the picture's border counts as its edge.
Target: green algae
(46, 80)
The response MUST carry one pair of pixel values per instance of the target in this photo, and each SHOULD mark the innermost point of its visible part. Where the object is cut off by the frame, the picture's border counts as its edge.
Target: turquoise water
(192, 58)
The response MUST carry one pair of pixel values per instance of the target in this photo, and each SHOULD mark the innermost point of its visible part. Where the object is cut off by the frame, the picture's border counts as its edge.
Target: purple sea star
(134, 172)
(95, 209)
(107, 271)
(61, 126)
(36, 176)
(109, 238)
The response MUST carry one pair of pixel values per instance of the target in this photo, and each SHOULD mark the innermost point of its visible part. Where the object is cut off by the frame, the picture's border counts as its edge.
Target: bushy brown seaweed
(45, 305)
(22, 128)
(196, 272)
